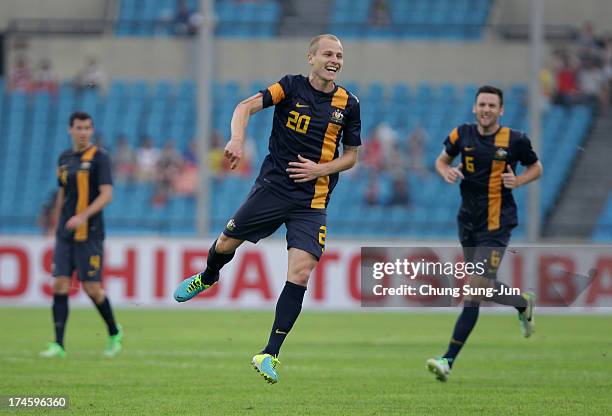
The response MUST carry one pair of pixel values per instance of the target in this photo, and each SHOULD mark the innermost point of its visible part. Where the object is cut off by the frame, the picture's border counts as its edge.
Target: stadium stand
(410, 19)
(235, 18)
(403, 19)
(34, 128)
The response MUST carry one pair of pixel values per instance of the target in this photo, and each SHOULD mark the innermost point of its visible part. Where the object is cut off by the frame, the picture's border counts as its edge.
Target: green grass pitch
(197, 362)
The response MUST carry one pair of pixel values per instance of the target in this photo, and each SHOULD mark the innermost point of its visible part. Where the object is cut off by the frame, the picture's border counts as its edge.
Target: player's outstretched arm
(445, 170)
(305, 170)
(533, 172)
(240, 121)
(104, 197)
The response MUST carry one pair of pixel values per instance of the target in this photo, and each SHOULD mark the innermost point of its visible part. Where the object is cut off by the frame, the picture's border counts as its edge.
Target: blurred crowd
(581, 72)
(388, 160)
(23, 78)
(219, 166)
(170, 170)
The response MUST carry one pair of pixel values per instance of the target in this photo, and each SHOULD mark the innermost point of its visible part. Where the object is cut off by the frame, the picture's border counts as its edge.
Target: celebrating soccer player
(312, 116)
(85, 187)
(489, 155)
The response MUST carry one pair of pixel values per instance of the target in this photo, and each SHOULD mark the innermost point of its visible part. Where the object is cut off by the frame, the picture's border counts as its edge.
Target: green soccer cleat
(526, 317)
(439, 366)
(265, 364)
(53, 350)
(190, 287)
(113, 345)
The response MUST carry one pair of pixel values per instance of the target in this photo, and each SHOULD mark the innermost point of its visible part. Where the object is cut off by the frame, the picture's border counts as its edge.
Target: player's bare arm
(533, 172)
(445, 170)
(57, 208)
(305, 170)
(240, 120)
(104, 197)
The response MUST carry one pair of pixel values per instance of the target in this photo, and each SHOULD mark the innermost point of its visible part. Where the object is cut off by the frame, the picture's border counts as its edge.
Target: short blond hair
(314, 42)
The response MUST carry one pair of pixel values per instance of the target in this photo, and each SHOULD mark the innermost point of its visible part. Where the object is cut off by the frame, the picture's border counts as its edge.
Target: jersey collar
(330, 94)
(80, 152)
(488, 135)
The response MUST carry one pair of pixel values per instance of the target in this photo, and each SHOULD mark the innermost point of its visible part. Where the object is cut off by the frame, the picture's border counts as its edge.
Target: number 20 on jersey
(298, 122)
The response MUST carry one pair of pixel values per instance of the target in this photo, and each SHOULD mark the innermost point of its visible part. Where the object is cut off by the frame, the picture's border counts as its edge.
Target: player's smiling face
(80, 132)
(326, 62)
(488, 109)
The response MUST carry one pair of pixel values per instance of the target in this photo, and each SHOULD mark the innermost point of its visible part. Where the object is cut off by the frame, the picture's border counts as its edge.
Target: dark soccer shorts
(83, 256)
(264, 212)
(487, 247)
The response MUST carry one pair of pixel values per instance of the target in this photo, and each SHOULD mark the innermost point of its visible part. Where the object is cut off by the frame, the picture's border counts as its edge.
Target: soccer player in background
(312, 117)
(489, 156)
(85, 187)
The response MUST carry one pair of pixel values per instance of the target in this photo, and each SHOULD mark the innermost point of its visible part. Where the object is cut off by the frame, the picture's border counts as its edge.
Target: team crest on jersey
(231, 225)
(337, 117)
(85, 165)
(500, 154)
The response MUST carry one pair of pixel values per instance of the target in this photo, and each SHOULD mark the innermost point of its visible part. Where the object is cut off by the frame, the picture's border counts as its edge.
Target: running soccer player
(489, 155)
(312, 116)
(85, 187)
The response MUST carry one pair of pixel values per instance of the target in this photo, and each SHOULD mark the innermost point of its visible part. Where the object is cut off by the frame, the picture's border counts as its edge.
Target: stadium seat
(167, 110)
(235, 18)
(412, 19)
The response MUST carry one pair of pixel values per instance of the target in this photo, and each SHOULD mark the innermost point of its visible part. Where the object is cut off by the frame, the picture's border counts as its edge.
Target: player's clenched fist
(509, 178)
(452, 173)
(233, 152)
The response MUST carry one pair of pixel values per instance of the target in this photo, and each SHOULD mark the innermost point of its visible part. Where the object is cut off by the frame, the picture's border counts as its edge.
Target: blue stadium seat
(167, 109)
(412, 19)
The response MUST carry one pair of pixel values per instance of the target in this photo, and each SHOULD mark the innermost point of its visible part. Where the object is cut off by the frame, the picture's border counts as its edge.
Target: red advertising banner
(144, 272)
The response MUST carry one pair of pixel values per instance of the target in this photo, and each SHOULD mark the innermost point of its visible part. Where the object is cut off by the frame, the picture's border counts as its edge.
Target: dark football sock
(464, 325)
(214, 263)
(519, 302)
(288, 309)
(107, 314)
(60, 316)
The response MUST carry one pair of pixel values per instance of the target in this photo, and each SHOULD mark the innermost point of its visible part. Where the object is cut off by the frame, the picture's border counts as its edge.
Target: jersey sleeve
(351, 135)
(277, 92)
(451, 144)
(104, 169)
(525, 153)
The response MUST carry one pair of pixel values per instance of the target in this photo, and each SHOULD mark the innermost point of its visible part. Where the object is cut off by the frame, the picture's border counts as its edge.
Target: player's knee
(94, 291)
(299, 278)
(98, 297)
(226, 245)
(300, 274)
(61, 285)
